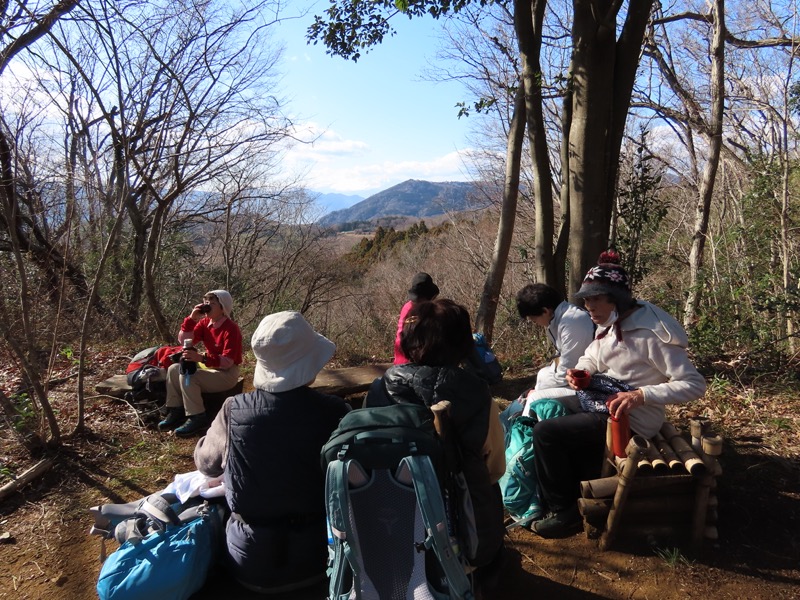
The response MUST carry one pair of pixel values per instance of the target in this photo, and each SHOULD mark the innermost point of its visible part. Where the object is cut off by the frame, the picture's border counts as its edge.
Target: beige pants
(203, 381)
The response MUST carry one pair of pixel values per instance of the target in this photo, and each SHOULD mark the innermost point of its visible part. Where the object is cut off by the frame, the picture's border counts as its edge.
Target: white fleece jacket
(571, 331)
(651, 357)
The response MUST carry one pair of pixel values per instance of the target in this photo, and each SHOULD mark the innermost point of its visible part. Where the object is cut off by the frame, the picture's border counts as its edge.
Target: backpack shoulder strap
(429, 499)
(338, 478)
(158, 508)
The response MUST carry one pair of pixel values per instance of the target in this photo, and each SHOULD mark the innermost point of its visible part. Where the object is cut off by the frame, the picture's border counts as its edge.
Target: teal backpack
(519, 484)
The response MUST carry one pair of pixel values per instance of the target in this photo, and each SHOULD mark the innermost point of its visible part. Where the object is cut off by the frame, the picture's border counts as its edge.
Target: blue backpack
(483, 361)
(167, 548)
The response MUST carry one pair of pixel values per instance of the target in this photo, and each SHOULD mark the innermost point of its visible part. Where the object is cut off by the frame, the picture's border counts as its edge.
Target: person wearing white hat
(266, 444)
(210, 324)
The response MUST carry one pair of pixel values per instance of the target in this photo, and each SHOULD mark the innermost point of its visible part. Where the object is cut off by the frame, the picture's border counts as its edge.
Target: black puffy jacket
(470, 410)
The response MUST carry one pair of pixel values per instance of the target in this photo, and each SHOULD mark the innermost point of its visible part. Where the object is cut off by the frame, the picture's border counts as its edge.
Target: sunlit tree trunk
(703, 207)
(484, 318)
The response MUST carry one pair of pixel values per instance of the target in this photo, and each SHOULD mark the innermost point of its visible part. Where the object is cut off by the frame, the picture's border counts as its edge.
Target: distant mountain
(412, 198)
(333, 202)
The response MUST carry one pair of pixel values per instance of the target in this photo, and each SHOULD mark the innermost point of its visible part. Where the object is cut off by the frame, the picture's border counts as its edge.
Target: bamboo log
(701, 502)
(596, 507)
(691, 460)
(606, 487)
(712, 445)
(667, 453)
(657, 461)
(637, 447)
(698, 427)
(656, 509)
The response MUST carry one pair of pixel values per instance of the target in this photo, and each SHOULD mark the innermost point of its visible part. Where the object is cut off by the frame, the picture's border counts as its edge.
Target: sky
(379, 123)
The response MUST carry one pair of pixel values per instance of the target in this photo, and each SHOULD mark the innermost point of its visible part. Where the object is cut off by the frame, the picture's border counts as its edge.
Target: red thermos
(620, 435)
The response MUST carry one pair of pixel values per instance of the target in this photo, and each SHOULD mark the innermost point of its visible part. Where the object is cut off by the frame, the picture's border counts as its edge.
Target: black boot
(175, 416)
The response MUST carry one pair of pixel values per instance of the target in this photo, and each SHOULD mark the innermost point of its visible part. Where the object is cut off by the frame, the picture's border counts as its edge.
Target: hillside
(48, 553)
(412, 198)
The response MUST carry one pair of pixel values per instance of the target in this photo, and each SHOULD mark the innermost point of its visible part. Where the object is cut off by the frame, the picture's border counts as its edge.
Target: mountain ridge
(411, 198)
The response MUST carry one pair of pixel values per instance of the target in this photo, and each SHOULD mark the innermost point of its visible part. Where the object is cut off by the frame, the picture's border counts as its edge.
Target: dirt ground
(46, 551)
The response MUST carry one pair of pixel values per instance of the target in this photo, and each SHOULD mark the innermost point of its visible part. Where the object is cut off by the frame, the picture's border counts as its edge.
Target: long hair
(437, 333)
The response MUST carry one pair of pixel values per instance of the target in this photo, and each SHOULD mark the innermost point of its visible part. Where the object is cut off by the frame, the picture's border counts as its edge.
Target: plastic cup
(581, 378)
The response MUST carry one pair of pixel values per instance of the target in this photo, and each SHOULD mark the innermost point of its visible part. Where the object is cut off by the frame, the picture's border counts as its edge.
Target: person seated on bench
(212, 325)
(437, 337)
(266, 444)
(637, 343)
(569, 329)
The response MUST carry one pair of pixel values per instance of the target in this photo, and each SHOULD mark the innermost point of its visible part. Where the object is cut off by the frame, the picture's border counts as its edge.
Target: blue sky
(380, 124)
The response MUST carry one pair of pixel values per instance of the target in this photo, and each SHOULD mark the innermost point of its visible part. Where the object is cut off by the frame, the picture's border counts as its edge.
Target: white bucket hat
(225, 300)
(289, 353)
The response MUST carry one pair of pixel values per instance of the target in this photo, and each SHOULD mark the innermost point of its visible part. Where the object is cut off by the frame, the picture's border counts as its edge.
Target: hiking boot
(194, 424)
(175, 416)
(559, 524)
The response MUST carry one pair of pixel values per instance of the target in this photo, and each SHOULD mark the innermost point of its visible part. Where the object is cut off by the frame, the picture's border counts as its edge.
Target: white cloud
(335, 163)
(366, 178)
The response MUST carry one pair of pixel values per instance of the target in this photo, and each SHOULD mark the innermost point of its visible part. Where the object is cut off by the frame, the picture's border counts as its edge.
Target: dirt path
(51, 555)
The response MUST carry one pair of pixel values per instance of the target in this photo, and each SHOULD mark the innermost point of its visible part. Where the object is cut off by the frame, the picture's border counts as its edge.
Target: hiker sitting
(437, 337)
(266, 444)
(217, 369)
(422, 289)
(569, 329)
(637, 344)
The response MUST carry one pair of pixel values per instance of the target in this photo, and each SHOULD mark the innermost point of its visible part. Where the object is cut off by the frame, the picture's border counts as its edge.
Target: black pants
(569, 450)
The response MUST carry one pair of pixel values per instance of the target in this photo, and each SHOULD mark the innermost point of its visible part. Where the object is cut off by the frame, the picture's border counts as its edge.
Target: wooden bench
(346, 383)
(117, 386)
(664, 487)
(349, 381)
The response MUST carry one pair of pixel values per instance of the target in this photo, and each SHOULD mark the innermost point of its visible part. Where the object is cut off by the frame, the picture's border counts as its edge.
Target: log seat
(664, 487)
(117, 386)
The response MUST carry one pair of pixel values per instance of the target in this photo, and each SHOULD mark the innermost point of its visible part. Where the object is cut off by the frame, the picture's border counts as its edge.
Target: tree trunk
(710, 172)
(164, 328)
(592, 84)
(485, 316)
(528, 18)
(602, 80)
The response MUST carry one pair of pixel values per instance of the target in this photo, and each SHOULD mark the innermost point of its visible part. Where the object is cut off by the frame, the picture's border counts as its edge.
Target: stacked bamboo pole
(669, 492)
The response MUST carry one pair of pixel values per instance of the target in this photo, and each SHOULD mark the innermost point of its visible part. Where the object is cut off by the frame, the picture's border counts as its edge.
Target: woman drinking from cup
(638, 347)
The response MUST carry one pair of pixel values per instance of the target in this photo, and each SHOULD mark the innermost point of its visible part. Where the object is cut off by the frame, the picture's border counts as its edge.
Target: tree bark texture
(703, 207)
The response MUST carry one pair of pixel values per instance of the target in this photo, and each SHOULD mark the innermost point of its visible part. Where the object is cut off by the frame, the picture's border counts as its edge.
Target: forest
(140, 156)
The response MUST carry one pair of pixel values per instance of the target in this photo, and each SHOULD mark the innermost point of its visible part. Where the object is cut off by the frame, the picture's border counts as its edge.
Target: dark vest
(273, 468)
(276, 486)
